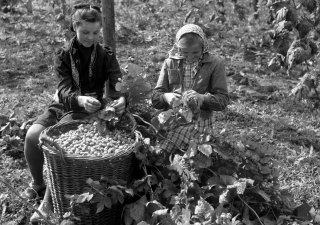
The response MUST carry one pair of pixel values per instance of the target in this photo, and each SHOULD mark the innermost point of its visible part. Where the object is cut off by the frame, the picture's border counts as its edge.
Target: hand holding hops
(108, 113)
(193, 100)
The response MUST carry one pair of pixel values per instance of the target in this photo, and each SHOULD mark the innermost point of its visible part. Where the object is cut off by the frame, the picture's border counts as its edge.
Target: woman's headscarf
(188, 28)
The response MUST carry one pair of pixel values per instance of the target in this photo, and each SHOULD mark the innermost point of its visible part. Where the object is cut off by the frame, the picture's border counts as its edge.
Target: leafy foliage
(288, 20)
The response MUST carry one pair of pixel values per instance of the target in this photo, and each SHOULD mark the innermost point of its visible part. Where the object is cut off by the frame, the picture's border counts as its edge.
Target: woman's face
(192, 53)
(88, 32)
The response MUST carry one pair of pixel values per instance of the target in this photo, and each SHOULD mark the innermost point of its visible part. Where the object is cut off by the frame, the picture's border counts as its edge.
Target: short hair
(85, 12)
(190, 39)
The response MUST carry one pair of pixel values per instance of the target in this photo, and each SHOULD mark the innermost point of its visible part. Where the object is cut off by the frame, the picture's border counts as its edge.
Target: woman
(193, 72)
(83, 67)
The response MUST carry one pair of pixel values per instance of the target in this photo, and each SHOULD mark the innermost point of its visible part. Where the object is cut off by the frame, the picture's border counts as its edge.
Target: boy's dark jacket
(105, 67)
(210, 80)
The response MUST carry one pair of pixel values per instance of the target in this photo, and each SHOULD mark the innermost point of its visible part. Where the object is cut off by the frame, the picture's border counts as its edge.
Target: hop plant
(298, 52)
(86, 140)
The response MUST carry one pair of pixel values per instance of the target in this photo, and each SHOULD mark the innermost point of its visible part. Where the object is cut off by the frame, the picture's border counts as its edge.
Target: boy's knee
(33, 133)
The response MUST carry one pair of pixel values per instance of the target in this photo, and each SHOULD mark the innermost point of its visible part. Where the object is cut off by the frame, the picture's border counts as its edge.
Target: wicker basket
(67, 174)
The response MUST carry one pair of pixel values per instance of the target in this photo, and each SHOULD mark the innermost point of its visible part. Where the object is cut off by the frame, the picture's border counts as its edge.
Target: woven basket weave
(67, 174)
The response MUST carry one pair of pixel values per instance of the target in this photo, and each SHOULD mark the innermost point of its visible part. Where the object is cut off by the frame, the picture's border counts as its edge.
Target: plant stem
(6, 183)
(251, 210)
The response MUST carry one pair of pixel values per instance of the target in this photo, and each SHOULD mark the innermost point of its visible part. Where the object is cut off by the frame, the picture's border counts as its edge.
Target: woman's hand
(90, 104)
(120, 105)
(193, 94)
(171, 97)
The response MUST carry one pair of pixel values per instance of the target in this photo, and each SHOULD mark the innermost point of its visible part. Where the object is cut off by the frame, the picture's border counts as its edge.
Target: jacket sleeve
(114, 74)
(217, 98)
(67, 90)
(162, 87)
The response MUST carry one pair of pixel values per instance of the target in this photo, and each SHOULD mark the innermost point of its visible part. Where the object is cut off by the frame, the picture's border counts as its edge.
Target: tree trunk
(108, 23)
(29, 7)
(64, 7)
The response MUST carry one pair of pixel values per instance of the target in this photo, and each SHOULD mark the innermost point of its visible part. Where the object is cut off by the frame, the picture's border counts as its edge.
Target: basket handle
(49, 142)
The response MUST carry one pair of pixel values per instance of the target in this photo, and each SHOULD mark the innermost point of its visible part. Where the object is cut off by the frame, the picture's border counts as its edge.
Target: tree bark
(108, 23)
(64, 7)
(29, 6)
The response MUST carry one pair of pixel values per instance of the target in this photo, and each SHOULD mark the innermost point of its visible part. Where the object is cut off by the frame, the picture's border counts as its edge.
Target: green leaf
(141, 184)
(133, 70)
(129, 191)
(94, 184)
(143, 223)
(67, 214)
(154, 206)
(214, 181)
(268, 221)
(265, 170)
(226, 196)
(205, 149)
(160, 212)
(187, 114)
(165, 116)
(100, 207)
(264, 195)
(85, 209)
(128, 220)
(89, 181)
(67, 222)
(282, 13)
(71, 197)
(202, 161)
(118, 86)
(239, 186)
(107, 202)
(84, 197)
(115, 189)
(176, 104)
(186, 216)
(192, 149)
(138, 208)
(245, 218)
(203, 209)
(302, 212)
(177, 164)
(175, 212)
(121, 198)
(227, 180)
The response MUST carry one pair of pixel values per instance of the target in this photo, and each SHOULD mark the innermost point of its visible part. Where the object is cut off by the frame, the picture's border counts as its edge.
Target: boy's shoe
(34, 191)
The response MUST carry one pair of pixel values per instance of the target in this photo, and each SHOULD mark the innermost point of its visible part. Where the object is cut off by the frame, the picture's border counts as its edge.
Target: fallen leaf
(302, 211)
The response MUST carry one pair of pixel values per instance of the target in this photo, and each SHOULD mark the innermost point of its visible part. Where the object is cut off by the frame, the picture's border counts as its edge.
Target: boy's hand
(170, 97)
(90, 104)
(120, 105)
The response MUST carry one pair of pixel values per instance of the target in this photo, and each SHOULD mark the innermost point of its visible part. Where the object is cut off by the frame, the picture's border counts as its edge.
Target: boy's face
(87, 32)
(192, 53)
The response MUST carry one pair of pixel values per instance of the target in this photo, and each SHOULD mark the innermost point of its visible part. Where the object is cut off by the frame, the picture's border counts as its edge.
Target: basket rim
(49, 149)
